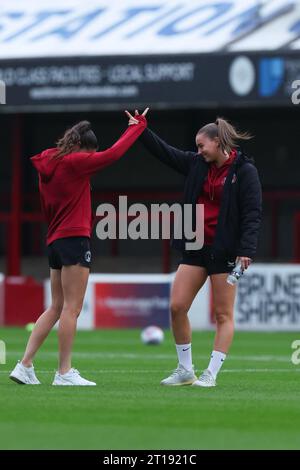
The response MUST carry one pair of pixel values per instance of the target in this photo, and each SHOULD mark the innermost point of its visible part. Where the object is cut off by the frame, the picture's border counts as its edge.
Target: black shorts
(69, 251)
(205, 259)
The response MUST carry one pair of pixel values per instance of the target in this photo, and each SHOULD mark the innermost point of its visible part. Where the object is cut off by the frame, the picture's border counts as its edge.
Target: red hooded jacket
(211, 196)
(64, 184)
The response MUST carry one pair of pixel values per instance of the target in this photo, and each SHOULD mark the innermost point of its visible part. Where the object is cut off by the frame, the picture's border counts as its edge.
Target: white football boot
(24, 375)
(72, 377)
(206, 379)
(180, 376)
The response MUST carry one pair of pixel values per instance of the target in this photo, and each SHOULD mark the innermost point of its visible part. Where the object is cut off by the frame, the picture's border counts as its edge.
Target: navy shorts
(70, 251)
(204, 258)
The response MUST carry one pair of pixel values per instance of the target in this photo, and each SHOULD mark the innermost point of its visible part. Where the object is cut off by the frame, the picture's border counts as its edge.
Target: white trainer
(180, 376)
(24, 375)
(206, 379)
(72, 377)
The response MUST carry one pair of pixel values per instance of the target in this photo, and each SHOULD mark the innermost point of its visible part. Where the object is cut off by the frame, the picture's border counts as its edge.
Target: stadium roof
(52, 28)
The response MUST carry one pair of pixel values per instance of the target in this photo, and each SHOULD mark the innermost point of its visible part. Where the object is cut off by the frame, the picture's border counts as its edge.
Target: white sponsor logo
(54, 28)
(242, 76)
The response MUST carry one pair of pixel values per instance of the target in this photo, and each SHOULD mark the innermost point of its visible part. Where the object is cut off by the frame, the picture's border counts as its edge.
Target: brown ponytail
(226, 133)
(80, 135)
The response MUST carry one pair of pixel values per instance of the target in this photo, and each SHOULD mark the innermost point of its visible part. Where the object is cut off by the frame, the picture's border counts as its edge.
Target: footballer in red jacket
(64, 184)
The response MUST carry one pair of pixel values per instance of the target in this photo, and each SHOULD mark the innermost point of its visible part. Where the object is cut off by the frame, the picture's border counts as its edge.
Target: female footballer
(222, 178)
(64, 184)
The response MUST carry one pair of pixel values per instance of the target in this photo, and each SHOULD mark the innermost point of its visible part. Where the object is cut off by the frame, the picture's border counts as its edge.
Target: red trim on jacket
(211, 196)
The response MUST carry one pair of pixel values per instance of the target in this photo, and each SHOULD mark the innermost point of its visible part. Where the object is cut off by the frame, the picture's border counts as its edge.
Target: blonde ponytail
(226, 132)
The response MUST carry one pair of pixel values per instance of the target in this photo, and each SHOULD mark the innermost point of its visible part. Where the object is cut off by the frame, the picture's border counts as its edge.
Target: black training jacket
(240, 212)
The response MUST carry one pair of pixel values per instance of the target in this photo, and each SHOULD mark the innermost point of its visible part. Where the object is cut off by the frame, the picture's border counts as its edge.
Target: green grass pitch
(256, 404)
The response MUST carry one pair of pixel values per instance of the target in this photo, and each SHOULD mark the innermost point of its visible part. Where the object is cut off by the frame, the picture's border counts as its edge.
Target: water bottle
(235, 274)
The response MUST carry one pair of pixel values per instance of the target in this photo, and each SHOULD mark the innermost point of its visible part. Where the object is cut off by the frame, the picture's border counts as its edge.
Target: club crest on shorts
(230, 264)
(88, 256)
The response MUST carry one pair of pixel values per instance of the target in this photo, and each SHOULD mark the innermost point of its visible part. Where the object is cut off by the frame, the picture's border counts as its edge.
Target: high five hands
(132, 120)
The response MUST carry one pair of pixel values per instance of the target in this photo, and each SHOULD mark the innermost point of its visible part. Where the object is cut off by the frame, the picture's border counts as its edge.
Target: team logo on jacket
(88, 256)
(232, 181)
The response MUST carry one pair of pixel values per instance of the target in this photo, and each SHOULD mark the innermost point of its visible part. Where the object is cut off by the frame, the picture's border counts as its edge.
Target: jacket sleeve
(250, 198)
(176, 159)
(86, 164)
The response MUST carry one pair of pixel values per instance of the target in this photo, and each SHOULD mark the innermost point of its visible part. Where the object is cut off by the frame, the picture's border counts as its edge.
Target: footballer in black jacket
(226, 182)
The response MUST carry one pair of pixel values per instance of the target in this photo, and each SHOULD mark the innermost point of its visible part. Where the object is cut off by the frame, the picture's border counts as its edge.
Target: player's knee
(73, 309)
(178, 309)
(57, 309)
(223, 315)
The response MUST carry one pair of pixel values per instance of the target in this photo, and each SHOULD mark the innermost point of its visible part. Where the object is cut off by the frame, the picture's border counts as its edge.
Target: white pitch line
(259, 370)
(143, 371)
(133, 356)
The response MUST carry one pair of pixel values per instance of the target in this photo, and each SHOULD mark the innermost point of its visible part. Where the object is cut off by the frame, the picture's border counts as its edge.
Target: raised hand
(132, 119)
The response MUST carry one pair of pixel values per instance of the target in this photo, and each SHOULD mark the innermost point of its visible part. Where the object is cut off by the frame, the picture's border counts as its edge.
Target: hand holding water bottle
(242, 263)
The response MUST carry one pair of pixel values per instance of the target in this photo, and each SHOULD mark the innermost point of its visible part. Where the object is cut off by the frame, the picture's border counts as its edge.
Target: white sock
(30, 367)
(66, 373)
(184, 353)
(216, 362)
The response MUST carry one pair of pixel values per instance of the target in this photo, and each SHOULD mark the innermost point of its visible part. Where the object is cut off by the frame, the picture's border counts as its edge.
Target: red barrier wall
(23, 300)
